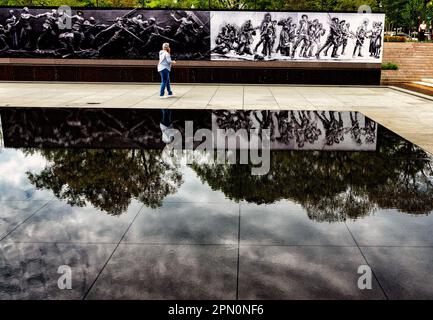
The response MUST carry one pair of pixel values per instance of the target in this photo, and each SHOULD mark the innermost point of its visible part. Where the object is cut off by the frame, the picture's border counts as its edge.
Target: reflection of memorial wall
(299, 130)
(144, 128)
(193, 35)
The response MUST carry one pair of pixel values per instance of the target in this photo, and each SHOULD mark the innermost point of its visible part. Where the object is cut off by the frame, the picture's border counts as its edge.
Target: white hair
(165, 46)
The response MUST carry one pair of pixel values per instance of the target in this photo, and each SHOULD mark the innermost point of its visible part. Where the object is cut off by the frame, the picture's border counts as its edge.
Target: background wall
(79, 64)
(138, 34)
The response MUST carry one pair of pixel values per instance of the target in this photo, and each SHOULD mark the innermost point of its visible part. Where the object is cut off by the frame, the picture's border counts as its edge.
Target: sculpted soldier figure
(50, 30)
(11, 31)
(151, 32)
(3, 39)
(186, 29)
(26, 34)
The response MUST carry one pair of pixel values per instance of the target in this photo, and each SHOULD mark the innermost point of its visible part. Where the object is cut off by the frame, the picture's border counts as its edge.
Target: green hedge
(389, 66)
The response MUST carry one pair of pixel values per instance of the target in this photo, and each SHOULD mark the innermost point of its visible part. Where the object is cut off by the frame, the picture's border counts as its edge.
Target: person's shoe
(170, 95)
(162, 97)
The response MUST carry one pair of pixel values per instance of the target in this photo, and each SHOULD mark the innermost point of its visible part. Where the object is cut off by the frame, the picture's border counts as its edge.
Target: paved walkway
(410, 115)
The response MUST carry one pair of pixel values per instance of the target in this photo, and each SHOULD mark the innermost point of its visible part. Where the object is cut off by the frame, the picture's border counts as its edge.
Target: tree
(413, 12)
(335, 186)
(107, 179)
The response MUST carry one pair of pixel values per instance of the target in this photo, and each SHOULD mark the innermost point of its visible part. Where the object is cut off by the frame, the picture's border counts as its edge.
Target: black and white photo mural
(310, 36)
(124, 34)
(193, 35)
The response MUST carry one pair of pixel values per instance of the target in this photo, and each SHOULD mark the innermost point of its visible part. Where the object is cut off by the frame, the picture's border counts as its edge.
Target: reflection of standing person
(166, 126)
(421, 31)
(164, 67)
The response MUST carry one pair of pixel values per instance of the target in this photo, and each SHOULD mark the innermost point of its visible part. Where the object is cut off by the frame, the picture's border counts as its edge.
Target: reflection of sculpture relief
(370, 130)
(233, 119)
(304, 130)
(334, 128)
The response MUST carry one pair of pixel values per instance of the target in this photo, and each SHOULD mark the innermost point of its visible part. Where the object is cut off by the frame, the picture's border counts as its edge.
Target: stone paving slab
(407, 113)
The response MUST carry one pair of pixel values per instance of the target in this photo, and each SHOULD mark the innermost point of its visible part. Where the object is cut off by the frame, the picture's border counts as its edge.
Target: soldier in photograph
(222, 41)
(185, 31)
(301, 34)
(246, 33)
(307, 47)
(376, 40)
(287, 36)
(361, 35)
(332, 40)
(316, 39)
(264, 26)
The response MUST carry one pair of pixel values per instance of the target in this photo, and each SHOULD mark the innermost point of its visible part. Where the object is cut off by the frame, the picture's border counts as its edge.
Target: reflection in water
(331, 186)
(107, 179)
(153, 128)
(334, 186)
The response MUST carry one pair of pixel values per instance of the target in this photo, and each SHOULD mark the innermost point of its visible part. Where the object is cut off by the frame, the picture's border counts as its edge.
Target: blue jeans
(166, 117)
(165, 82)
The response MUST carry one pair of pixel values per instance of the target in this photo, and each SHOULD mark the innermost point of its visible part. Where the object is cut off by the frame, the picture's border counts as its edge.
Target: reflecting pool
(95, 191)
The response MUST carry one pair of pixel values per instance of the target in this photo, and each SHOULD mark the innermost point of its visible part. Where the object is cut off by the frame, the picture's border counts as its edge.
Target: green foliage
(399, 13)
(413, 12)
(334, 186)
(395, 39)
(389, 66)
(107, 179)
(50, 3)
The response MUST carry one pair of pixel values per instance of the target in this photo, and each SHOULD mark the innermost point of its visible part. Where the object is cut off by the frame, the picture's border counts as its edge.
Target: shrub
(389, 66)
(395, 39)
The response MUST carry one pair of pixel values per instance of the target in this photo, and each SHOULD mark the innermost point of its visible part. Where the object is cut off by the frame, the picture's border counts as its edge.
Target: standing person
(421, 31)
(164, 67)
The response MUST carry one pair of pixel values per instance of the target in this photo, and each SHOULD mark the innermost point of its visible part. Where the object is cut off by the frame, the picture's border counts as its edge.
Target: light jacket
(164, 61)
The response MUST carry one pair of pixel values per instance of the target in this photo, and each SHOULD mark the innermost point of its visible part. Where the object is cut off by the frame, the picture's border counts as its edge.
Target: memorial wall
(193, 35)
